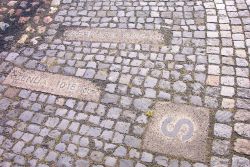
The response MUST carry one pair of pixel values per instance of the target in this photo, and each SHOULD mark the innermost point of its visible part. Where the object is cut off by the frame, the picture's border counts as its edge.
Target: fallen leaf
(23, 38)
(149, 113)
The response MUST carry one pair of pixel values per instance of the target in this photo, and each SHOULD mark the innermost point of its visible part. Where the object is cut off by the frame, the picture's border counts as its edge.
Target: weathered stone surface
(11, 92)
(221, 147)
(115, 35)
(4, 104)
(240, 161)
(222, 130)
(243, 103)
(202, 60)
(219, 162)
(242, 129)
(55, 3)
(53, 83)
(178, 130)
(161, 160)
(242, 146)
(242, 115)
(142, 104)
(223, 116)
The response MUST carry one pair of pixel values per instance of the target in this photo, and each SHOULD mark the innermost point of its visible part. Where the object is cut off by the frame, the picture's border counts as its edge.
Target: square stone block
(178, 130)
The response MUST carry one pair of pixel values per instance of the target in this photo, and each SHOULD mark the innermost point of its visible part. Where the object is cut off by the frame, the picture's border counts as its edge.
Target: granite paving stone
(82, 83)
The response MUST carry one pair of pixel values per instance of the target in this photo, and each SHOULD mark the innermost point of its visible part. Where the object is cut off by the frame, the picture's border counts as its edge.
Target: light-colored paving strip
(192, 53)
(54, 84)
(115, 35)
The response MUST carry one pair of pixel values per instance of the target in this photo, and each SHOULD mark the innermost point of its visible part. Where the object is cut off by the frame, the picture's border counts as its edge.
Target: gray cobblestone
(17, 148)
(94, 132)
(150, 82)
(52, 122)
(216, 161)
(70, 103)
(36, 107)
(97, 156)
(72, 148)
(203, 61)
(142, 103)
(110, 161)
(40, 153)
(114, 113)
(63, 124)
(224, 116)
(74, 126)
(242, 115)
(4, 104)
(12, 56)
(222, 130)
(242, 129)
(38, 118)
(240, 161)
(60, 147)
(161, 160)
(122, 127)
(80, 163)
(179, 86)
(185, 164)
(126, 163)
(120, 151)
(221, 147)
(19, 160)
(51, 99)
(26, 116)
(132, 141)
(146, 157)
(52, 156)
(28, 150)
(64, 160)
(118, 138)
(107, 124)
(110, 98)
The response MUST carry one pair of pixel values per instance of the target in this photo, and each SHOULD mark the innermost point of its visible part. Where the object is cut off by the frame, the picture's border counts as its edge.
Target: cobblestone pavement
(203, 62)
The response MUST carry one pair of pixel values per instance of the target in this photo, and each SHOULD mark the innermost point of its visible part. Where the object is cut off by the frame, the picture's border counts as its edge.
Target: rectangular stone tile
(178, 130)
(54, 84)
(115, 35)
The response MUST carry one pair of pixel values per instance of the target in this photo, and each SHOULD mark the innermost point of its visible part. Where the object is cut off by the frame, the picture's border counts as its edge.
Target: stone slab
(178, 130)
(54, 84)
(115, 35)
(55, 2)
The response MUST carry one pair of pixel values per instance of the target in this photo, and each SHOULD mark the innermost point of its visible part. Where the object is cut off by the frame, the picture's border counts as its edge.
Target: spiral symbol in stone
(177, 127)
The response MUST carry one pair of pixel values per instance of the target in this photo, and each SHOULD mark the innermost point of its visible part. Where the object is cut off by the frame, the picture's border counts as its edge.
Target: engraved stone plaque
(178, 130)
(115, 35)
(53, 83)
